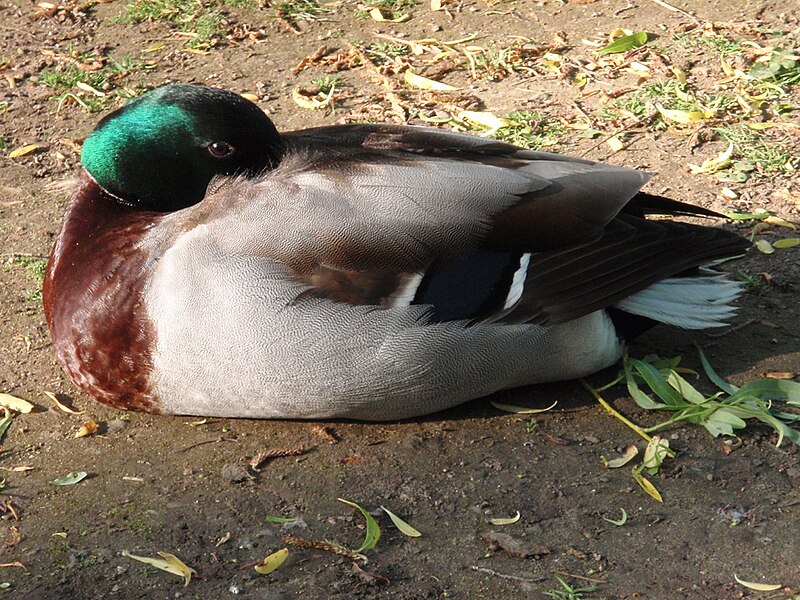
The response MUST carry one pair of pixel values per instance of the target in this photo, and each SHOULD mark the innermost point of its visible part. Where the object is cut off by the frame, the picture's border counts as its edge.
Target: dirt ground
(169, 484)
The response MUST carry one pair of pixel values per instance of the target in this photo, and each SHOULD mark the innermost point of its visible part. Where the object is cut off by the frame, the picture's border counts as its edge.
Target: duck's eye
(220, 149)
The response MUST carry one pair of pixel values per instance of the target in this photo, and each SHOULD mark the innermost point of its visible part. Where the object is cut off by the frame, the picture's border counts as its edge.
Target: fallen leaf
(373, 530)
(520, 410)
(384, 16)
(168, 562)
(87, 429)
(625, 43)
(271, 519)
(684, 116)
(655, 453)
(759, 587)
(712, 165)
(15, 403)
(24, 150)
(251, 97)
(505, 520)
(272, 562)
(615, 143)
(70, 478)
(484, 118)
(314, 102)
(618, 522)
(61, 406)
(87, 88)
(764, 246)
(423, 83)
(645, 484)
(786, 243)
(630, 452)
(404, 527)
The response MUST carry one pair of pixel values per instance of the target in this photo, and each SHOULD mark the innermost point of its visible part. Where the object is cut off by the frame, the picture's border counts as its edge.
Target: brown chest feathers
(93, 299)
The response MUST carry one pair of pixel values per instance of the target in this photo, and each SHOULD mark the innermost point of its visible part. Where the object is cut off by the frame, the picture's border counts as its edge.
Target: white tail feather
(688, 302)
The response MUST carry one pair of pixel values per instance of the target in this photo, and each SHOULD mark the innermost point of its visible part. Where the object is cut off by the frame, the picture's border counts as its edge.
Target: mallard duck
(208, 265)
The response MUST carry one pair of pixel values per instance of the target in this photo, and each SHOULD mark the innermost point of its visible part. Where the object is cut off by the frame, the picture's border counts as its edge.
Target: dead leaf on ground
(168, 562)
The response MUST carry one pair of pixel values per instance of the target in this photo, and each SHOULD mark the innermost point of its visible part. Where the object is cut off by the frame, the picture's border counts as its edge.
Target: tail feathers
(698, 302)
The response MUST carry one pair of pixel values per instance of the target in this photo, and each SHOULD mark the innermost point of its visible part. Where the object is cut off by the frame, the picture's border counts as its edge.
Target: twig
(669, 6)
(504, 576)
(628, 128)
(580, 577)
(615, 413)
(732, 329)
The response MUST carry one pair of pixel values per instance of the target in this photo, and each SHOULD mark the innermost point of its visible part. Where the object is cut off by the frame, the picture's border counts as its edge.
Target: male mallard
(208, 265)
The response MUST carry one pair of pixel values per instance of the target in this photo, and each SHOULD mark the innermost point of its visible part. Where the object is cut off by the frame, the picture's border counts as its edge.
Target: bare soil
(163, 484)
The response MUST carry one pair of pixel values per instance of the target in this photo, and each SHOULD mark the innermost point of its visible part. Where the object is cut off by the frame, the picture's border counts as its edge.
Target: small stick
(669, 6)
(580, 577)
(504, 576)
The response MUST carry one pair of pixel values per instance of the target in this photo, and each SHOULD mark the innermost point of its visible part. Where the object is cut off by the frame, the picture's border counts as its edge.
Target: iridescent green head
(161, 150)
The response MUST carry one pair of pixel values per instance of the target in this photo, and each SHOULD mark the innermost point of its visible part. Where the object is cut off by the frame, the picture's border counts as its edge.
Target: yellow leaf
(24, 151)
(385, 16)
(764, 246)
(14, 403)
(436, 5)
(520, 410)
(712, 165)
(404, 527)
(645, 484)
(168, 562)
(155, 47)
(684, 116)
(251, 97)
(487, 119)
(787, 243)
(312, 102)
(680, 75)
(423, 83)
(728, 193)
(272, 562)
(62, 407)
(615, 143)
(87, 88)
(759, 587)
(626, 457)
(87, 429)
(773, 220)
(505, 521)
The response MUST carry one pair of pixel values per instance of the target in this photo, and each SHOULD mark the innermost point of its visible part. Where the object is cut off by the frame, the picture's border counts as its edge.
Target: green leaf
(404, 527)
(271, 519)
(771, 389)
(618, 522)
(642, 399)
(657, 382)
(521, 410)
(712, 375)
(722, 422)
(625, 43)
(70, 478)
(684, 388)
(373, 532)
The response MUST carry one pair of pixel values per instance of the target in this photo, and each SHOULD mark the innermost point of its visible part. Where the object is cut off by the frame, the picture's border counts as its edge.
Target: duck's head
(161, 150)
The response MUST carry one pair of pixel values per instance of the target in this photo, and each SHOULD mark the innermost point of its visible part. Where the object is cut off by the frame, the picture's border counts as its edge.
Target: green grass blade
(373, 532)
(712, 375)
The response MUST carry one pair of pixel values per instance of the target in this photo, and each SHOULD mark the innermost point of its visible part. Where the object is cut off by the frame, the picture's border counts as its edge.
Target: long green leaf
(642, 399)
(684, 388)
(625, 43)
(712, 375)
(657, 383)
(771, 389)
(373, 532)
